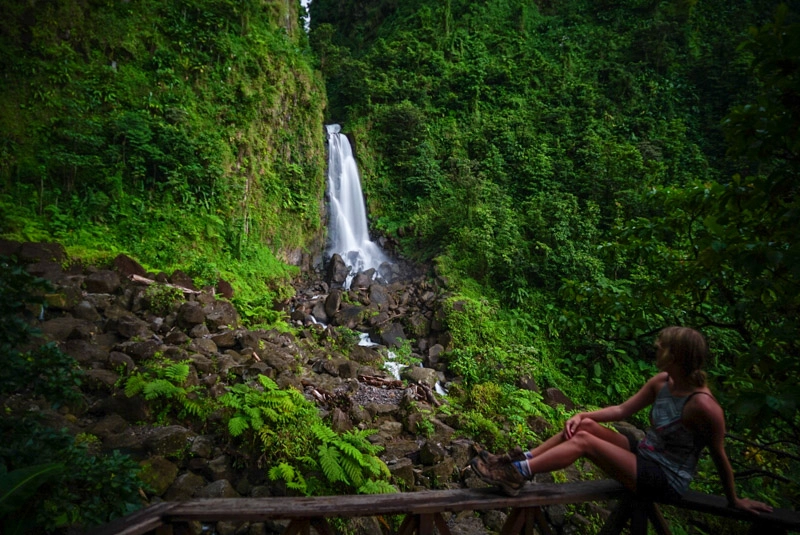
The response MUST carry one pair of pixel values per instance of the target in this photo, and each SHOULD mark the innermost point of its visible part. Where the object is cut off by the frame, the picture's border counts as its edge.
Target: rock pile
(110, 323)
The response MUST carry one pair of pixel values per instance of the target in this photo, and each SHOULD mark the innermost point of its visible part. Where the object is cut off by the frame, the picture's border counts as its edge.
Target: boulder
(333, 302)
(221, 314)
(218, 489)
(102, 282)
(179, 278)
(169, 441)
(190, 314)
(184, 487)
(31, 252)
(127, 266)
(392, 335)
(158, 474)
(554, 397)
(337, 272)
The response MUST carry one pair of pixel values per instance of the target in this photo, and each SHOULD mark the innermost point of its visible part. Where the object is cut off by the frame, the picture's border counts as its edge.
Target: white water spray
(349, 233)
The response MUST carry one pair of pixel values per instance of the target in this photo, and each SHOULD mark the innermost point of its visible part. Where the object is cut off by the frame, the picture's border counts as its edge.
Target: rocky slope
(111, 321)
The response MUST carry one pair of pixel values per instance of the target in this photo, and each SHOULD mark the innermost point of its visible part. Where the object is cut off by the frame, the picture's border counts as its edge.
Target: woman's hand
(751, 506)
(572, 425)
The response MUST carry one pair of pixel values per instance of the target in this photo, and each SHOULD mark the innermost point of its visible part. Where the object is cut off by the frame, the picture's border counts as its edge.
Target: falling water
(349, 234)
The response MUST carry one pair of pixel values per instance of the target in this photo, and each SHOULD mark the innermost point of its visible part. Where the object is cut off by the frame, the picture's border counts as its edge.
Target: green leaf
(17, 486)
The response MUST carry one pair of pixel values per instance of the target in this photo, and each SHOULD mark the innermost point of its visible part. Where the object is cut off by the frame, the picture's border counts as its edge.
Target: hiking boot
(513, 455)
(500, 472)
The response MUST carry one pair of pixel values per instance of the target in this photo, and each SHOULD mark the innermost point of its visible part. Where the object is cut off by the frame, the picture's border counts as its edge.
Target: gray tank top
(669, 442)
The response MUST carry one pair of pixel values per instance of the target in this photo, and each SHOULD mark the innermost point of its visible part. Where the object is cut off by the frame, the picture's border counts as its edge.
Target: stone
(184, 487)
(86, 311)
(127, 266)
(391, 336)
(203, 345)
(441, 472)
(337, 272)
(225, 339)
(103, 281)
(158, 473)
(108, 426)
(30, 252)
(140, 351)
(121, 362)
(218, 489)
(179, 278)
(402, 471)
(424, 376)
(66, 327)
(221, 314)
(555, 397)
(432, 453)
(84, 351)
(170, 441)
(225, 289)
(199, 331)
(202, 447)
(190, 314)
(340, 421)
(99, 380)
(219, 468)
(379, 296)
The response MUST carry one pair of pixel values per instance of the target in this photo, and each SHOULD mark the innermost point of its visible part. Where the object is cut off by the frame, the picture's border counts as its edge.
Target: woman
(684, 416)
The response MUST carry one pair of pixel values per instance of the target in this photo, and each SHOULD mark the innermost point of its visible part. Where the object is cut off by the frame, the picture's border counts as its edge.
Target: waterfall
(348, 230)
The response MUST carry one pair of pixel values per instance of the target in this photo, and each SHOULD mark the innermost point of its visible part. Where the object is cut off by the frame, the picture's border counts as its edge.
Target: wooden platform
(423, 510)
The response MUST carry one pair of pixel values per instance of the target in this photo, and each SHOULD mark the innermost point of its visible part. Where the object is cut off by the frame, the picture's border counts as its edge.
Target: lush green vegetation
(49, 479)
(185, 134)
(582, 172)
(586, 173)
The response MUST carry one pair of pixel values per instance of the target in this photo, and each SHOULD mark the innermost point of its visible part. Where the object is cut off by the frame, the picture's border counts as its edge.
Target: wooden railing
(422, 511)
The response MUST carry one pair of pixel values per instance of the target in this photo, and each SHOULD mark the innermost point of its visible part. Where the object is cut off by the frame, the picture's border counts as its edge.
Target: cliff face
(208, 108)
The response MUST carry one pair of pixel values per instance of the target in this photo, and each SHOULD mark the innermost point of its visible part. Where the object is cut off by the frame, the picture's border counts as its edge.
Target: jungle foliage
(185, 134)
(582, 172)
(49, 479)
(587, 173)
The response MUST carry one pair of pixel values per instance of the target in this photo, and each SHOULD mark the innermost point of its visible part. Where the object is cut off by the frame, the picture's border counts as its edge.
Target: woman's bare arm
(614, 413)
(704, 416)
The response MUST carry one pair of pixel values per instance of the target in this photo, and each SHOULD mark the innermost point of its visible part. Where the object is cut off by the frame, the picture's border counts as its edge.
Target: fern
(324, 433)
(353, 469)
(177, 373)
(160, 388)
(162, 382)
(350, 451)
(376, 487)
(287, 473)
(134, 385)
(237, 425)
(329, 461)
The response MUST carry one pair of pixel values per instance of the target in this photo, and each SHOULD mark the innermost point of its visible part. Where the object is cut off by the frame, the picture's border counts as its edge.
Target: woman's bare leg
(614, 458)
(589, 426)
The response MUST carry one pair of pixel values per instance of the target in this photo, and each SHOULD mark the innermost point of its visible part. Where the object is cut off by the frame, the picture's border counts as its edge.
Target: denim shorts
(651, 481)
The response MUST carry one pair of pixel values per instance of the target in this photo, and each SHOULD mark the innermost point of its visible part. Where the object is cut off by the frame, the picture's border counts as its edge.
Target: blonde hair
(689, 349)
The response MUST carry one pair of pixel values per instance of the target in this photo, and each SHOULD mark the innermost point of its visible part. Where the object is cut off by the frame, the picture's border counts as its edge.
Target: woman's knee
(589, 425)
(584, 439)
